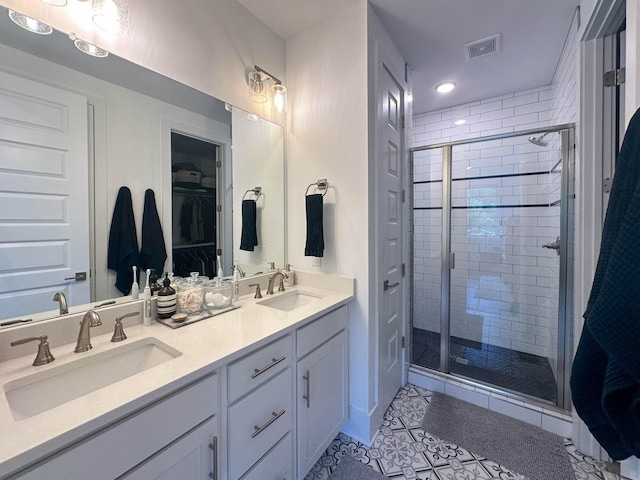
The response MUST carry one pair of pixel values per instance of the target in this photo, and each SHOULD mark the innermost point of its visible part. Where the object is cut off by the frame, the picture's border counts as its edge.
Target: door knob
(79, 277)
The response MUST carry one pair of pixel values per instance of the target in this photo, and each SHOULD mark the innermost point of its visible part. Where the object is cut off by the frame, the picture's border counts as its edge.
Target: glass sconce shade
(258, 89)
(112, 16)
(279, 97)
(29, 23)
(57, 3)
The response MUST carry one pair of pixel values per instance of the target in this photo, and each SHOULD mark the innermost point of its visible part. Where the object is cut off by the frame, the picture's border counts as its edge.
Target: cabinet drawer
(276, 465)
(258, 421)
(319, 331)
(123, 446)
(258, 367)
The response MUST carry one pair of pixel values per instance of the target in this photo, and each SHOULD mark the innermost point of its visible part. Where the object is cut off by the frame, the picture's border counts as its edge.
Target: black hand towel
(122, 253)
(605, 377)
(315, 236)
(249, 236)
(153, 252)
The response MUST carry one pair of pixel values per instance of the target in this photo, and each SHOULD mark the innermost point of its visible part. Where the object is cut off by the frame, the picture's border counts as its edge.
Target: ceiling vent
(483, 47)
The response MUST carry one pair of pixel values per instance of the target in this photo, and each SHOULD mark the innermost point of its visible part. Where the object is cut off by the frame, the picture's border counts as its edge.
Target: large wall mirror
(74, 129)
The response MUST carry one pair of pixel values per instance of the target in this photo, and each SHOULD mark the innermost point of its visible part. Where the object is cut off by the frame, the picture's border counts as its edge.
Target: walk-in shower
(492, 243)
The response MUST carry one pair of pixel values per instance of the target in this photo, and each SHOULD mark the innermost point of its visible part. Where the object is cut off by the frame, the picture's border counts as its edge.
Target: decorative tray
(196, 317)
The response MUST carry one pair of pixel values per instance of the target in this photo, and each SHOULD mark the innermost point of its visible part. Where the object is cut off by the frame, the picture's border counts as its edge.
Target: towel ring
(257, 191)
(321, 184)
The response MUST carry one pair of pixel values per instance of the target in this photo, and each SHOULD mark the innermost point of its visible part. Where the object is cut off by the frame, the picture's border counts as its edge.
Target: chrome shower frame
(565, 294)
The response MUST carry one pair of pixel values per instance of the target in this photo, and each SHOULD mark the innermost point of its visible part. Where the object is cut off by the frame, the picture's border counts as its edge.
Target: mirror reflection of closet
(195, 217)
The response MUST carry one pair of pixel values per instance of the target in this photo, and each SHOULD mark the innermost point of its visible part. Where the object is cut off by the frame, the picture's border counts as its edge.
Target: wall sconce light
(29, 23)
(112, 16)
(257, 79)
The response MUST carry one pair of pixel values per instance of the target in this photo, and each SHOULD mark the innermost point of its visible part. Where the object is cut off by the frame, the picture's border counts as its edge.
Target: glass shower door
(505, 205)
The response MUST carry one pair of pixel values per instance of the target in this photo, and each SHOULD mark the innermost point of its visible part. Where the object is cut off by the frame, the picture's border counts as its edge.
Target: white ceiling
(431, 35)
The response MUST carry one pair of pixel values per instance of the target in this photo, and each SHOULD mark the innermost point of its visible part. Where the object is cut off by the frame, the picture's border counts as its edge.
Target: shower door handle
(553, 245)
(386, 285)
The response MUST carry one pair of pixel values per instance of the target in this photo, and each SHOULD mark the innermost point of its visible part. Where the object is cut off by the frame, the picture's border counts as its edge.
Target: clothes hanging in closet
(198, 219)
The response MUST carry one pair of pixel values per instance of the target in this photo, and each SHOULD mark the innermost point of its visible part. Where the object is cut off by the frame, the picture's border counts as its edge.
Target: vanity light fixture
(88, 48)
(445, 87)
(112, 16)
(257, 79)
(256, 84)
(29, 23)
(279, 97)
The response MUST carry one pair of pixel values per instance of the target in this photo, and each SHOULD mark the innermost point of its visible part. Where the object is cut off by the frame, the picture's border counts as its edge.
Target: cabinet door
(322, 399)
(193, 456)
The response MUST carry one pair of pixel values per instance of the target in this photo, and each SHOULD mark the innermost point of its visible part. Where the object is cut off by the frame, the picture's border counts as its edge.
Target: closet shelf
(194, 245)
(193, 193)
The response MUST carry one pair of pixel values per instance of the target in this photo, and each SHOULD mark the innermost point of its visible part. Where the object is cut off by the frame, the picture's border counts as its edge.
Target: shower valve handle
(553, 245)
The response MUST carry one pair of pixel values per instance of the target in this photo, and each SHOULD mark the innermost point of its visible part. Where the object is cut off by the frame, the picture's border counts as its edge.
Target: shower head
(539, 140)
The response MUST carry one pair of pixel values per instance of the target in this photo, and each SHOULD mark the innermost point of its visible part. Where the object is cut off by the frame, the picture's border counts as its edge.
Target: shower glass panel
(427, 257)
(498, 319)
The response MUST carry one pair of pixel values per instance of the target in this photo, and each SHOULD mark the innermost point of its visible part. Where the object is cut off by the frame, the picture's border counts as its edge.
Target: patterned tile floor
(402, 450)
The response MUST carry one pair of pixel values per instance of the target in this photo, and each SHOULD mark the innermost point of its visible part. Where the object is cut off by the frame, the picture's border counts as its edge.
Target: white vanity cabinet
(260, 419)
(167, 439)
(321, 385)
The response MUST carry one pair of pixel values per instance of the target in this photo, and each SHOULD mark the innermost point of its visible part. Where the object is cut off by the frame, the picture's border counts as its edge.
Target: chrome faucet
(240, 271)
(272, 280)
(90, 319)
(60, 297)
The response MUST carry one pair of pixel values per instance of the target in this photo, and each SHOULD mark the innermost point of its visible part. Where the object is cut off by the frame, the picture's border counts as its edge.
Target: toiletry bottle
(135, 290)
(236, 281)
(290, 280)
(155, 286)
(166, 299)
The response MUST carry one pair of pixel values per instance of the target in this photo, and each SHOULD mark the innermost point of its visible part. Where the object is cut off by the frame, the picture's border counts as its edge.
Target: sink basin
(289, 300)
(42, 391)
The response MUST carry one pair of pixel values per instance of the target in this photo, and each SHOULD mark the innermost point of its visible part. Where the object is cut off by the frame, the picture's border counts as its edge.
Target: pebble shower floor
(402, 450)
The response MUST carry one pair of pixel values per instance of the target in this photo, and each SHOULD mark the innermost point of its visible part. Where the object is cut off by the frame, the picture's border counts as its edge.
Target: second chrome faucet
(90, 319)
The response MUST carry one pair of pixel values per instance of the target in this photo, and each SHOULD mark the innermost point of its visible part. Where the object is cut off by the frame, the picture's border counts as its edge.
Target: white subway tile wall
(504, 286)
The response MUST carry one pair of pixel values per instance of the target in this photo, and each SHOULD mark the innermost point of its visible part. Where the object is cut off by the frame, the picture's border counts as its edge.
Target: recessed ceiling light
(29, 23)
(462, 121)
(445, 87)
(88, 48)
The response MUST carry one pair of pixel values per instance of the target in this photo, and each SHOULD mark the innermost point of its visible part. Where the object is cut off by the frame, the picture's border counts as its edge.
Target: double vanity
(256, 393)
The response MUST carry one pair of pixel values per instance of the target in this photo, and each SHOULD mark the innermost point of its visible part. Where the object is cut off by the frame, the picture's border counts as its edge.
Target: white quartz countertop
(204, 346)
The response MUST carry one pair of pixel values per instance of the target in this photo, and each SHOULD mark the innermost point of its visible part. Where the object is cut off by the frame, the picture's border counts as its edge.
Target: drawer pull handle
(273, 363)
(307, 396)
(269, 422)
(214, 447)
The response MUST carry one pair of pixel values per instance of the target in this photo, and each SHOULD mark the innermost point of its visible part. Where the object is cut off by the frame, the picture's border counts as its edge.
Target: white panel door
(44, 214)
(390, 207)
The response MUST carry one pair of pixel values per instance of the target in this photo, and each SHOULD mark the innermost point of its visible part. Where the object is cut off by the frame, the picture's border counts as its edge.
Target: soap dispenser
(289, 281)
(167, 299)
